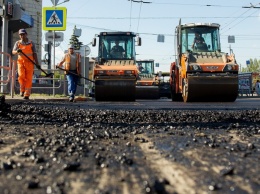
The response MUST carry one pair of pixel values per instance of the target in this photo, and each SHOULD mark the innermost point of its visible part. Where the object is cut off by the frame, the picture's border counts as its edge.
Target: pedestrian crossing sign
(54, 18)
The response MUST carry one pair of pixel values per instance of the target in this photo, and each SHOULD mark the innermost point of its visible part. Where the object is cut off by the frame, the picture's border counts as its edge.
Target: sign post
(231, 39)
(55, 2)
(54, 19)
(86, 53)
(58, 36)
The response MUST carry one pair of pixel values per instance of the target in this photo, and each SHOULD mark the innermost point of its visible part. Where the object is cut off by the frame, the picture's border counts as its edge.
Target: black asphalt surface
(145, 146)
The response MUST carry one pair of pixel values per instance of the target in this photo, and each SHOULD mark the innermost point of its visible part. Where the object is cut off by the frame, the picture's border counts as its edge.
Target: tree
(75, 41)
(253, 66)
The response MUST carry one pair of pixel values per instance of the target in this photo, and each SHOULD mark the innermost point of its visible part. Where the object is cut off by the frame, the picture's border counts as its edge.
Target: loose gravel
(55, 149)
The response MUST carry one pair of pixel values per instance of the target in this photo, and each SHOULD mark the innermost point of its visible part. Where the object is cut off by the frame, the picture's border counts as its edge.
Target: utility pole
(6, 14)
(55, 17)
(49, 55)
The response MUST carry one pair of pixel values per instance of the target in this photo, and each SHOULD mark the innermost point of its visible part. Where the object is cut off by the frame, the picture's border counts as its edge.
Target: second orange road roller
(201, 71)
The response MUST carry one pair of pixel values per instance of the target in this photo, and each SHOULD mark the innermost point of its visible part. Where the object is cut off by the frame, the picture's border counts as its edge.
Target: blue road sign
(54, 18)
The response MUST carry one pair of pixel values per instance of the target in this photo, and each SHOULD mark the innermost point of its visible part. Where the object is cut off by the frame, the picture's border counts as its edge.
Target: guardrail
(43, 83)
(247, 93)
(43, 80)
(7, 75)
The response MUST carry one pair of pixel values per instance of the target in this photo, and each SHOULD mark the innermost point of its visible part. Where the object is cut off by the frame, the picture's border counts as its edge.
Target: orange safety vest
(67, 63)
(27, 50)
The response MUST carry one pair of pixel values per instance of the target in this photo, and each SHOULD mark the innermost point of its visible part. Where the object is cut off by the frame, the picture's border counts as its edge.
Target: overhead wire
(185, 4)
(235, 21)
(80, 6)
(139, 16)
(163, 3)
(130, 16)
(238, 23)
(149, 18)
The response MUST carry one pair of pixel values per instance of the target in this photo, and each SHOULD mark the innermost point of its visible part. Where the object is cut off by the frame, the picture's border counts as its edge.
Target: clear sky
(161, 17)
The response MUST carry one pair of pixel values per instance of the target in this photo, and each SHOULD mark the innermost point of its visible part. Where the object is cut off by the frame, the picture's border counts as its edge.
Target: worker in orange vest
(25, 66)
(72, 70)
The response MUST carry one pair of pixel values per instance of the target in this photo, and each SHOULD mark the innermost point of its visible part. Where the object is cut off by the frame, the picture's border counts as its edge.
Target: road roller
(115, 71)
(147, 85)
(201, 71)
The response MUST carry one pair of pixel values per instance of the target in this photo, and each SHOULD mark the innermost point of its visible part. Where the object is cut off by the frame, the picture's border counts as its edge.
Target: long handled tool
(38, 66)
(75, 74)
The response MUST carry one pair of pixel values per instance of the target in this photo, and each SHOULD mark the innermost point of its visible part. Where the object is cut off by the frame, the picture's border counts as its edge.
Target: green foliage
(57, 75)
(254, 66)
(75, 41)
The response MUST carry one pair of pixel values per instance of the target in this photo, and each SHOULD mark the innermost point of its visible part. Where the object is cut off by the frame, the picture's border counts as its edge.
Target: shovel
(76, 74)
(38, 66)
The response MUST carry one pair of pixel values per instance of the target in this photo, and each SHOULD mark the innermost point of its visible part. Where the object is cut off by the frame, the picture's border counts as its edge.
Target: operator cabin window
(117, 49)
(187, 40)
(103, 49)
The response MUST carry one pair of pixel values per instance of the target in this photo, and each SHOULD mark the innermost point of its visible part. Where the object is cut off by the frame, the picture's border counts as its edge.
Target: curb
(42, 98)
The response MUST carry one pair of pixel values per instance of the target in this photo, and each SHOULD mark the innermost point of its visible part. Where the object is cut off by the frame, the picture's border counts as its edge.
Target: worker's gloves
(19, 50)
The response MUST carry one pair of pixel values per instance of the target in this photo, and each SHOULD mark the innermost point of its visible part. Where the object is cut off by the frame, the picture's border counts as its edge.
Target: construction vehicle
(202, 73)
(164, 85)
(115, 72)
(147, 85)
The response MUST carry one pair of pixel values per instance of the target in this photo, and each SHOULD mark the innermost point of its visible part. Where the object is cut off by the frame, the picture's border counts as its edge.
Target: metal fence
(42, 85)
(7, 75)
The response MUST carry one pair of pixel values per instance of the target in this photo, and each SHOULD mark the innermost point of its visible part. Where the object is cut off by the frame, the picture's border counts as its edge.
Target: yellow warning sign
(54, 18)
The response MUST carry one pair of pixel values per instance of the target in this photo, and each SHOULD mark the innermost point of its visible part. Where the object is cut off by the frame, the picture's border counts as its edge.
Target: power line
(140, 1)
(159, 18)
(251, 6)
(130, 16)
(106, 29)
(188, 4)
(139, 16)
(238, 22)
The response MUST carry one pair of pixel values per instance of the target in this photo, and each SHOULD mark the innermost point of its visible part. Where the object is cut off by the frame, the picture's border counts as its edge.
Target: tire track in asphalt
(110, 181)
(8, 147)
(180, 178)
(209, 166)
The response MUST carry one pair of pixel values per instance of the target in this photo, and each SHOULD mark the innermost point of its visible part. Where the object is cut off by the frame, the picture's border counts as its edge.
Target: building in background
(17, 14)
(26, 14)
